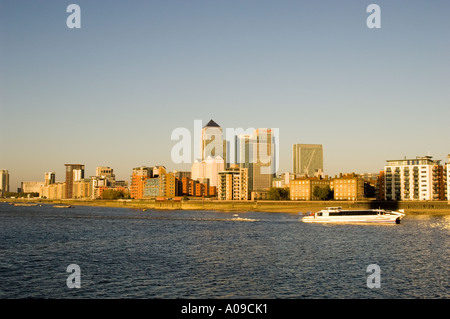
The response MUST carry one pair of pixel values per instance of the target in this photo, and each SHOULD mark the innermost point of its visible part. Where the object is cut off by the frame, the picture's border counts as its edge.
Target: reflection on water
(124, 253)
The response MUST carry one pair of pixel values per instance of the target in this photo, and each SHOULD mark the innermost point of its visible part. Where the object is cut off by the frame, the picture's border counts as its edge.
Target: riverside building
(448, 177)
(74, 173)
(233, 184)
(421, 178)
(4, 181)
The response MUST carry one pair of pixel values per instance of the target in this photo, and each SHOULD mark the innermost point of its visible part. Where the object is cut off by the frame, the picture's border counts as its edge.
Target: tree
(112, 194)
(278, 193)
(322, 193)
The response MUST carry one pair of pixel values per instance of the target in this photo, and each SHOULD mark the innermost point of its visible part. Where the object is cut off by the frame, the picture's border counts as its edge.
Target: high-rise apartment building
(307, 159)
(4, 181)
(414, 179)
(233, 184)
(74, 172)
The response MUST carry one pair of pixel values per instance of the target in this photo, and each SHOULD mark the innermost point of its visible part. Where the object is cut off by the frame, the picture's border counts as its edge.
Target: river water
(128, 253)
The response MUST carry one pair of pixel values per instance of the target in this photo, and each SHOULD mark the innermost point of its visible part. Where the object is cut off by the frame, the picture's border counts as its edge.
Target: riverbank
(429, 208)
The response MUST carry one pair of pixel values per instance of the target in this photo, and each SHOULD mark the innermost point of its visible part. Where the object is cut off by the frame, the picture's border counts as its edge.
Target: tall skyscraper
(307, 159)
(257, 153)
(212, 141)
(4, 181)
(264, 159)
(74, 173)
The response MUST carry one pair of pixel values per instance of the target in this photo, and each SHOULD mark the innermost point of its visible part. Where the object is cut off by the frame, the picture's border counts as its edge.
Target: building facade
(303, 188)
(208, 168)
(348, 187)
(212, 142)
(307, 159)
(448, 177)
(4, 181)
(74, 173)
(421, 178)
(233, 184)
(138, 179)
(162, 184)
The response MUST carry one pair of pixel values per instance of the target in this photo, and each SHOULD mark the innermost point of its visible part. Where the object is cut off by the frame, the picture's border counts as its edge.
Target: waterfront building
(4, 181)
(138, 179)
(348, 187)
(55, 190)
(162, 184)
(448, 177)
(82, 188)
(74, 172)
(31, 187)
(421, 178)
(307, 159)
(303, 188)
(233, 184)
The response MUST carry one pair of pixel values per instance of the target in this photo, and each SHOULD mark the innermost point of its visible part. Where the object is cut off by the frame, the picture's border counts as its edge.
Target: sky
(111, 92)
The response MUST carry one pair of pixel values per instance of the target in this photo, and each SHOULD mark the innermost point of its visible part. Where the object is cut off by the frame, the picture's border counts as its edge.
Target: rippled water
(125, 253)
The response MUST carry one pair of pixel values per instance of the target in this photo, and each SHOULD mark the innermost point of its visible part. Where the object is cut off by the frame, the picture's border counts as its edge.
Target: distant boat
(62, 206)
(339, 215)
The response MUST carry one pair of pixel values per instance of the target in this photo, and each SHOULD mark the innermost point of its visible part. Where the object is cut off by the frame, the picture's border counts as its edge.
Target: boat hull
(342, 220)
(338, 215)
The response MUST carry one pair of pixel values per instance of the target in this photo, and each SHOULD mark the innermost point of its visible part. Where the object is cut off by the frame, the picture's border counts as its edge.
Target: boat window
(319, 214)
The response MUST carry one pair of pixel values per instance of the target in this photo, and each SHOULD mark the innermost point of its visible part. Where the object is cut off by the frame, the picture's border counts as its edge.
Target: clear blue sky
(110, 93)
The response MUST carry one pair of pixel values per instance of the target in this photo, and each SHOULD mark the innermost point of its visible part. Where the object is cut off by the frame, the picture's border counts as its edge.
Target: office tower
(74, 172)
(244, 155)
(233, 184)
(414, 179)
(50, 178)
(264, 159)
(212, 142)
(307, 159)
(4, 181)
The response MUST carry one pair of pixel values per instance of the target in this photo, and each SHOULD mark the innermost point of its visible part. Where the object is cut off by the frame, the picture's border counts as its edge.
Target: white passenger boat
(339, 215)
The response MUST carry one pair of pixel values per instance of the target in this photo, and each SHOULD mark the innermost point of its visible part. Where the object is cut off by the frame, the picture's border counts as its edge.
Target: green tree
(112, 194)
(278, 193)
(322, 193)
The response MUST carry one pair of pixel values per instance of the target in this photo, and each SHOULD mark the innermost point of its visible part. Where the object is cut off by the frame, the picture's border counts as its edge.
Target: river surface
(128, 253)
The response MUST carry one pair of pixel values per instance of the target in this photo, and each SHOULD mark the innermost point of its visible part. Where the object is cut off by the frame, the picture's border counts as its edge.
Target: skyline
(111, 93)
